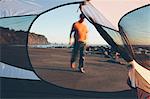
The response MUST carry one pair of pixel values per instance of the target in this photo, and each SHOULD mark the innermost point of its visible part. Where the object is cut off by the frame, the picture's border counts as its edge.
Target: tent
(114, 20)
(125, 25)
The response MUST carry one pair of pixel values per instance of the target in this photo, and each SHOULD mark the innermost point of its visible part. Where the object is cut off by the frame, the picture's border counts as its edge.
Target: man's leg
(74, 56)
(82, 57)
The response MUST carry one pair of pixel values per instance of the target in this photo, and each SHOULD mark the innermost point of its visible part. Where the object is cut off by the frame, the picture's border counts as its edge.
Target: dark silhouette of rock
(12, 37)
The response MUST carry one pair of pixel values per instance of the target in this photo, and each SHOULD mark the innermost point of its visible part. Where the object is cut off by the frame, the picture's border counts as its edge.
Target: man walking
(80, 31)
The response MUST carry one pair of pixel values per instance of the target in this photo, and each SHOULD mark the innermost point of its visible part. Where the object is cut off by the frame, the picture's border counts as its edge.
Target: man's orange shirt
(81, 30)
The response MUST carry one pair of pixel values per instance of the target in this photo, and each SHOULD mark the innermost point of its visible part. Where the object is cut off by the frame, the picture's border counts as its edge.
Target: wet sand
(102, 74)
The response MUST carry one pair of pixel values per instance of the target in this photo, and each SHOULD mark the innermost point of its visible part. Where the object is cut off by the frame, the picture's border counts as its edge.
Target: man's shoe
(82, 70)
(73, 65)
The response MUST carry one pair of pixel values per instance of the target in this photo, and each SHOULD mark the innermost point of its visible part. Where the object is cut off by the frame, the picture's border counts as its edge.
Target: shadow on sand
(57, 69)
(112, 61)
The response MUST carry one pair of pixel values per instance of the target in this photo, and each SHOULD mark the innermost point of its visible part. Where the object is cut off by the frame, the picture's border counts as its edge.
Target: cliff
(36, 39)
(8, 36)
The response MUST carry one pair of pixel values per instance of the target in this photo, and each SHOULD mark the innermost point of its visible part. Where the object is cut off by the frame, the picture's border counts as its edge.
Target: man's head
(82, 17)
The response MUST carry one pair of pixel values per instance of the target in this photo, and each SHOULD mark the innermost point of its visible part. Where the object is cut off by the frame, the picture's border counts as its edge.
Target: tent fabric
(136, 26)
(14, 72)
(110, 11)
(109, 16)
(10, 8)
(106, 20)
(13, 43)
(139, 76)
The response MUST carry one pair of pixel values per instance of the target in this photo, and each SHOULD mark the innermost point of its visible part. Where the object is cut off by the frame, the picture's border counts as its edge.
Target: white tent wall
(10, 8)
(14, 72)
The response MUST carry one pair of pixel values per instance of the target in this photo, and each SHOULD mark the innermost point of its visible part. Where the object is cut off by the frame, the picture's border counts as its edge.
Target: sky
(56, 25)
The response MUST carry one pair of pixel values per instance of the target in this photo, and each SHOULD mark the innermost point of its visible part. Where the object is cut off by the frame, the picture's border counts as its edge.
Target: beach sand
(102, 74)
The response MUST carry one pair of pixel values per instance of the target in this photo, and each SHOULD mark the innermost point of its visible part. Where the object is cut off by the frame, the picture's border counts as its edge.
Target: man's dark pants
(78, 47)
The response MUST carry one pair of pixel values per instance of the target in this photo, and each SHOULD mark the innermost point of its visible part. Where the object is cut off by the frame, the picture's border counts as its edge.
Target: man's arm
(71, 35)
